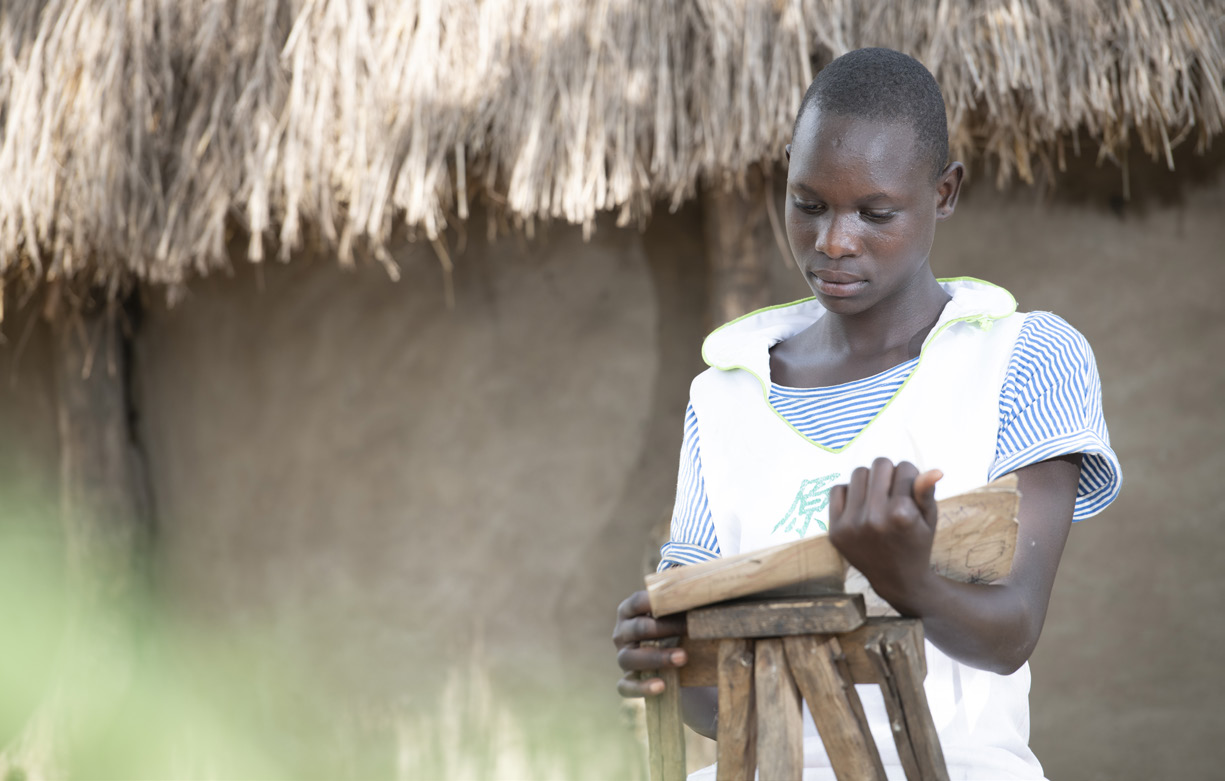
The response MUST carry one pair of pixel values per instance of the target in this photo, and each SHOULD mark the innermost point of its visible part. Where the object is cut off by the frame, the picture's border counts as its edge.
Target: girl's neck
(900, 322)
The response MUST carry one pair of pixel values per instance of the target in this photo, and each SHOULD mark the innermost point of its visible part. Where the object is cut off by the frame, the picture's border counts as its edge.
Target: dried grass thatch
(135, 135)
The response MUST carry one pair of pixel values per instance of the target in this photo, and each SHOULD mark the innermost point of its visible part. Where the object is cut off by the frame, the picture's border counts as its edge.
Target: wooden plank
(903, 657)
(974, 542)
(737, 730)
(780, 729)
(898, 659)
(910, 630)
(778, 617)
(702, 669)
(976, 535)
(665, 728)
(859, 665)
(822, 676)
(812, 559)
(807, 588)
(862, 667)
(875, 651)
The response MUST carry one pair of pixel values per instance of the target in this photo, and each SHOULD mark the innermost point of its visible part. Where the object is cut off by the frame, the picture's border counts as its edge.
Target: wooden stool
(764, 655)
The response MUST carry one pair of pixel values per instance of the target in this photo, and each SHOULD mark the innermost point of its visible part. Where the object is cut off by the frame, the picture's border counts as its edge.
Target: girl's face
(862, 208)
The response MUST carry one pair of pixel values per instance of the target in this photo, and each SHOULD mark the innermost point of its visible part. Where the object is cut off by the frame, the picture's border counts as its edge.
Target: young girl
(852, 412)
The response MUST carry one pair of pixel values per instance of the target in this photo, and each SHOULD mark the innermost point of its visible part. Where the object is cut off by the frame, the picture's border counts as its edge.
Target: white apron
(768, 484)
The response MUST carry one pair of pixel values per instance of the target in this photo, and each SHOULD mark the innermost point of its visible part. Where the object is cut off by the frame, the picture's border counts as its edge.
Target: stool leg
(737, 732)
(666, 729)
(898, 658)
(780, 728)
(820, 671)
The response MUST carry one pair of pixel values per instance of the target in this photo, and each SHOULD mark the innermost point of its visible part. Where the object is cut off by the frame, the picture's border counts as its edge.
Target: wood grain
(974, 543)
(702, 667)
(665, 728)
(737, 730)
(898, 658)
(822, 676)
(780, 729)
(977, 533)
(778, 617)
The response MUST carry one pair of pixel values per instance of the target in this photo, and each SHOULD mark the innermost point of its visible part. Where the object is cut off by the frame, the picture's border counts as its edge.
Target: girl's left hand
(883, 521)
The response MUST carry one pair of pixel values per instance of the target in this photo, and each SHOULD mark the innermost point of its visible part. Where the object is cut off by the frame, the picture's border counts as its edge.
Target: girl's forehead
(832, 145)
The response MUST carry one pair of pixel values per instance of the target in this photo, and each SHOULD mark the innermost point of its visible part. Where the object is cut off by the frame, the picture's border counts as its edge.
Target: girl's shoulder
(1049, 346)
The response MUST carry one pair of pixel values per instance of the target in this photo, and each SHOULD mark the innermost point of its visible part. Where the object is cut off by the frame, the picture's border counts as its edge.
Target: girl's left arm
(883, 522)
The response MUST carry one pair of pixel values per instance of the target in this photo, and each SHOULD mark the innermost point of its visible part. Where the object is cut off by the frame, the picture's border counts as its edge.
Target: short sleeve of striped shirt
(693, 537)
(1051, 405)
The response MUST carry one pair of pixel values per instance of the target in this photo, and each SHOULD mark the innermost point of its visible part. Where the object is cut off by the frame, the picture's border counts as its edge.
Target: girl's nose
(837, 237)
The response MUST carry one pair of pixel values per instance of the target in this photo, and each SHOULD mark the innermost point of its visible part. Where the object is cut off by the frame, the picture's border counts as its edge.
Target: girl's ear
(948, 187)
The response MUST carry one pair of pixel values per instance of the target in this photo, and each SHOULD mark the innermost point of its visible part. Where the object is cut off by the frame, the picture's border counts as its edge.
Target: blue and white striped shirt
(1050, 405)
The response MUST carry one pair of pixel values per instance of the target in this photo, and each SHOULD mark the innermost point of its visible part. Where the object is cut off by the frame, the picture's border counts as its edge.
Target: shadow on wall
(1129, 187)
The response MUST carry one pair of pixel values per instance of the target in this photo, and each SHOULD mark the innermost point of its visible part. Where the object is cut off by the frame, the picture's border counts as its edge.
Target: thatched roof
(136, 135)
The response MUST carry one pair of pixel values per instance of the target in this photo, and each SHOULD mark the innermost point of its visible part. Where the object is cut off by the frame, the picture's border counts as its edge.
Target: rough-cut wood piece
(702, 669)
(822, 676)
(737, 731)
(681, 588)
(780, 728)
(807, 588)
(884, 651)
(876, 630)
(666, 729)
(974, 542)
(778, 617)
(875, 653)
(977, 533)
(898, 659)
(903, 658)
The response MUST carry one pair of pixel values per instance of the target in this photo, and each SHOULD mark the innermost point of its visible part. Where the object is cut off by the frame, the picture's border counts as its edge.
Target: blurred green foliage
(32, 608)
(142, 692)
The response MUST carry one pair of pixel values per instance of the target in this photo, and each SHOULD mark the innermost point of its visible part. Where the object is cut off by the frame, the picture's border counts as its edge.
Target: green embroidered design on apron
(812, 498)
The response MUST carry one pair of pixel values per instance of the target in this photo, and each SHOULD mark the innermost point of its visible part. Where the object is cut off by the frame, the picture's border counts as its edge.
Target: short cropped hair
(883, 84)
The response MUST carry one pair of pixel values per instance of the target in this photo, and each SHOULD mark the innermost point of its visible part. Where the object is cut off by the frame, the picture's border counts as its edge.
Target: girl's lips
(838, 285)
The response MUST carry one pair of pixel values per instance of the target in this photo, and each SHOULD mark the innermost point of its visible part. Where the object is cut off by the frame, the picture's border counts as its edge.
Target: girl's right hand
(634, 625)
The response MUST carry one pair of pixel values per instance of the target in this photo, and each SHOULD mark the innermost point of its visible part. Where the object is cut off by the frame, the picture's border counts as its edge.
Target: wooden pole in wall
(740, 245)
(102, 482)
(104, 512)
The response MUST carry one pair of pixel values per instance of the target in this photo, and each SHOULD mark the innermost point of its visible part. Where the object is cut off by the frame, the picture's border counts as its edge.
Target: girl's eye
(878, 216)
(809, 208)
